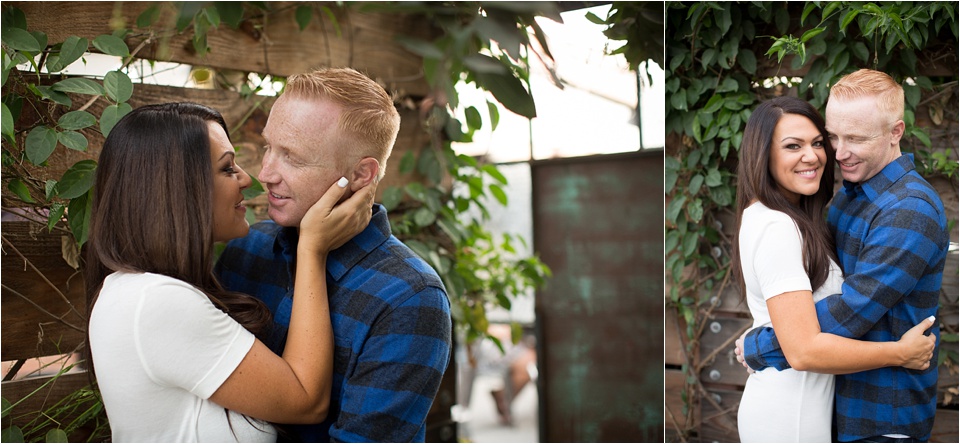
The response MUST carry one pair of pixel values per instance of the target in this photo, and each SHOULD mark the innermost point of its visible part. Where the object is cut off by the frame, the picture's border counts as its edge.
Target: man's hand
(917, 347)
(738, 350)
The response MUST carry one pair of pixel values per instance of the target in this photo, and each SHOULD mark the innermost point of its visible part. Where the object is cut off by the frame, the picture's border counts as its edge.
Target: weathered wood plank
(724, 369)
(720, 425)
(28, 332)
(272, 44)
(945, 426)
(672, 345)
(673, 416)
(59, 388)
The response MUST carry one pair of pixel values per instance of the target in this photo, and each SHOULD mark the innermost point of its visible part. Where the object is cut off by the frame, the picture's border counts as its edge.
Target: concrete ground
(479, 422)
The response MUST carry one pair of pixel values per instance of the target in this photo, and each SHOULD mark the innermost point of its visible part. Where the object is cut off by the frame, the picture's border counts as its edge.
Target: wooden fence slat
(720, 425)
(59, 388)
(945, 427)
(367, 41)
(724, 369)
(673, 402)
(26, 331)
(672, 345)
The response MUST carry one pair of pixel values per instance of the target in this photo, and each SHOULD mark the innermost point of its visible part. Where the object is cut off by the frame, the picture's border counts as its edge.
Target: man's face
(866, 139)
(299, 159)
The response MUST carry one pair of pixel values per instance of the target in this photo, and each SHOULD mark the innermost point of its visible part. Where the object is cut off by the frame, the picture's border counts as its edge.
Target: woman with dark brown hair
(177, 357)
(784, 261)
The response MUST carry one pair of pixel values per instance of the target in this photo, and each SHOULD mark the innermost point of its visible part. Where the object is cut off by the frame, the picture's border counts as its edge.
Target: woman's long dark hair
(152, 208)
(754, 181)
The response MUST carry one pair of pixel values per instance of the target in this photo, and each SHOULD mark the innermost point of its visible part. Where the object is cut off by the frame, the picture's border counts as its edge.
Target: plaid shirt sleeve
(897, 251)
(387, 397)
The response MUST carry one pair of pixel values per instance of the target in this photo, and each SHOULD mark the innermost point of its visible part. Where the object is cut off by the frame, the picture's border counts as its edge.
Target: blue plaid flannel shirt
(391, 322)
(892, 240)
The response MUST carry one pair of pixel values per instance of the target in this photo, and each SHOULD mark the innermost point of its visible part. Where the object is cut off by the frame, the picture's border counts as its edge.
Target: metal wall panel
(598, 225)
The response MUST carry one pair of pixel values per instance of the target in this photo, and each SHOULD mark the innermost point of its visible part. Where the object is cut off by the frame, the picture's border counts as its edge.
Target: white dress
(160, 350)
(789, 405)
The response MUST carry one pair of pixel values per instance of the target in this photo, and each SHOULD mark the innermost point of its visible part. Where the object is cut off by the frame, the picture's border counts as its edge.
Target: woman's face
(229, 213)
(797, 157)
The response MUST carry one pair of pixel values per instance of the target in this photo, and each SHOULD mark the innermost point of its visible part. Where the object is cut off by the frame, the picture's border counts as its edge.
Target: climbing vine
(722, 59)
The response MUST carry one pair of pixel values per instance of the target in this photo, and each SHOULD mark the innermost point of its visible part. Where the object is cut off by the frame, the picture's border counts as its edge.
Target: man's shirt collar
(342, 259)
(882, 181)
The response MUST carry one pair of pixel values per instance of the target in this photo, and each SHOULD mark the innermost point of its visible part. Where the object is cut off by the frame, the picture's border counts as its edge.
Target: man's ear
(364, 172)
(897, 132)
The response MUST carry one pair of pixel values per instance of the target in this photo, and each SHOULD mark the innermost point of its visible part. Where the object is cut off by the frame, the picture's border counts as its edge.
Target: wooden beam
(271, 44)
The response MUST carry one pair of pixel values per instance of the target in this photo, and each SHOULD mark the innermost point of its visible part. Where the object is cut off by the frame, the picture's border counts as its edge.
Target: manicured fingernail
(342, 182)
(932, 318)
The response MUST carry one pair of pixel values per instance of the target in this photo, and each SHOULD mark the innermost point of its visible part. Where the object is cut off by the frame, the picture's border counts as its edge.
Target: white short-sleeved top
(781, 406)
(772, 261)
(160, 350)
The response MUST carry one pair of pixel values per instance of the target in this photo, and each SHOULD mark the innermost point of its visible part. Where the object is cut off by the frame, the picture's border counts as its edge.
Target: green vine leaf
(111, 45)
(498, 193)
(748, 61)
(474, 121)
(303, 15)
(509, 91)
(924, 138)
(494, 173)
(713, 178)
(11, 434)
(55, 215)
(78, 217)
(20, 40)
(847, 19)
(49, 188)
(48, 93)
(148, 17)
(484, 64)
(7, 121)
(392, 197)
(40, 144)
(408, 162)
(75, 120)
(674, 207)
(20, 189)
(811, 34)
(424, 217)
(118, 86)
(111, 115)
(56, 435)
(73, 140)
(255, 189)
(212, 16)
(79, 85)
(77, 180)
(420, 47)
(72, 49)
(695, 183)
(690, 241)
(494, 115)
(231, 13)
